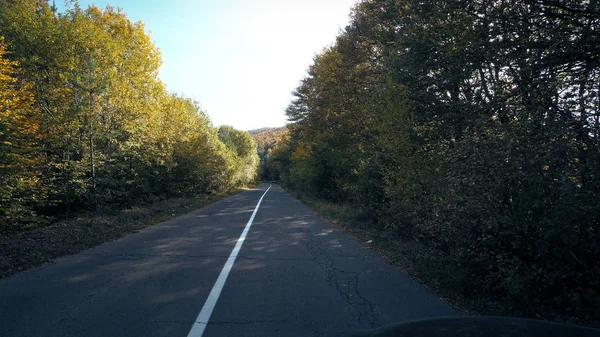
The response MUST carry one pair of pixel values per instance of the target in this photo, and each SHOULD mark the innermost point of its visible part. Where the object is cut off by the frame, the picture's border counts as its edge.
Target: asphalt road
(294, 276)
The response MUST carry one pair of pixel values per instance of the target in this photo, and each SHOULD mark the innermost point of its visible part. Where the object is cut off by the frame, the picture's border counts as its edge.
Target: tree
(106, 131)
(265, 141)
(469, 125)
(19, 159)
(243, 147)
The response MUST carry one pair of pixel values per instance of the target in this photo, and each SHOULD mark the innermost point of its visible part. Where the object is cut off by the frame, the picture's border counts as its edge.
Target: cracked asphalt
(295, 276)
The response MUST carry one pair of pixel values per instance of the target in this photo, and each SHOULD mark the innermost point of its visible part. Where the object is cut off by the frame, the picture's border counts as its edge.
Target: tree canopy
(266, 138)
(85, 121)
(472, 126)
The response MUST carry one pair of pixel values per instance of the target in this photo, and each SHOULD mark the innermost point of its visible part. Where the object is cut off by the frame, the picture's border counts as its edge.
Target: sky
(240, 59)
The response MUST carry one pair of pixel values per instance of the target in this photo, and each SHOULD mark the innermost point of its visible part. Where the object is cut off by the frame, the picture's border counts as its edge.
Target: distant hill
(266, 129)
(266, 138)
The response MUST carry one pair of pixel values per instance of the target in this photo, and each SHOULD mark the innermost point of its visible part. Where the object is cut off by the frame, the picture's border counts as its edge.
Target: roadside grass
(31, 248)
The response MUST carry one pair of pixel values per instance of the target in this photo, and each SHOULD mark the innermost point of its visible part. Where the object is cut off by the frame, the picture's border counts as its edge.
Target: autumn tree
(19, 158)
(265, 142)
(94, 122)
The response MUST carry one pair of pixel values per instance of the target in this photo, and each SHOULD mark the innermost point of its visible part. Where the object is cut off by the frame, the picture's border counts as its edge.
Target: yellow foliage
(17, 118)
(18, 139)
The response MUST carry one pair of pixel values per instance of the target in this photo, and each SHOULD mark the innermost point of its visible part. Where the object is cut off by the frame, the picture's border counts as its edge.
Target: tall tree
(109, 132)
(470, 125)
(19, 159)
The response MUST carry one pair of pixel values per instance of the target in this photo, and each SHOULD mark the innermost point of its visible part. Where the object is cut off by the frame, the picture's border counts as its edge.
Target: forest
(469, 127)
(86, 123)
(266, 138)
(472, 128)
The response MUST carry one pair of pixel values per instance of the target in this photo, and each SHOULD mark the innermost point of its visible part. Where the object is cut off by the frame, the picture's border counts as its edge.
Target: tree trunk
(91, 141)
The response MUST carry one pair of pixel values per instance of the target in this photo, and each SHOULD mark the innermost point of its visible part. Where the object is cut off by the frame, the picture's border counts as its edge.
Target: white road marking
(202, 321)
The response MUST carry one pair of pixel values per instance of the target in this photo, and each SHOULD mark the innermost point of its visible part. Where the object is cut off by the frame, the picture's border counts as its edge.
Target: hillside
(266, 138)
(261, 130)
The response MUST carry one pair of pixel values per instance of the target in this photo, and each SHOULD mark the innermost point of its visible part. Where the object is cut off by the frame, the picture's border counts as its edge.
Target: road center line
(202, 321)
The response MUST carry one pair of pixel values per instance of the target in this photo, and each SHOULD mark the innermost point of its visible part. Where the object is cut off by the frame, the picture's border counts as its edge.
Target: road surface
(294, 276)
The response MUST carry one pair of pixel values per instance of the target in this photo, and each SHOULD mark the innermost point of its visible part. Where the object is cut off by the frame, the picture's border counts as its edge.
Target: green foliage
(18, 129)
(91, 124)
(472, 127)
(243, 152)
(266, 138)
